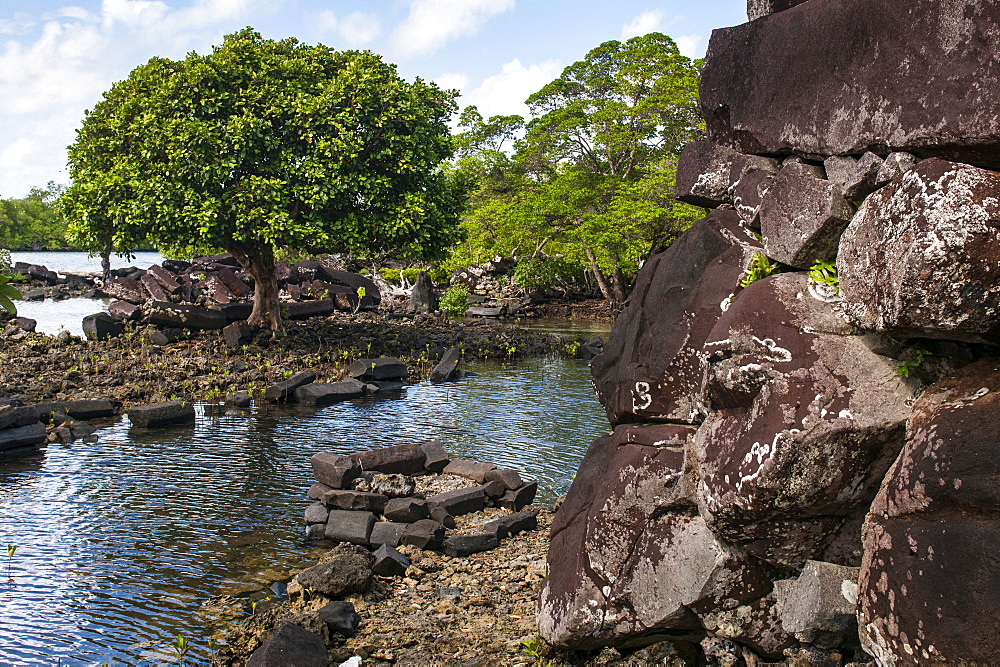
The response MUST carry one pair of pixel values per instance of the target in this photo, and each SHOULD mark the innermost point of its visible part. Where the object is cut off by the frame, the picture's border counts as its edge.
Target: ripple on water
(121, 542)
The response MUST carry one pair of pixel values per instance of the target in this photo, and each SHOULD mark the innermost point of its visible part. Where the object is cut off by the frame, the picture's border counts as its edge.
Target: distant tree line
(33, 222)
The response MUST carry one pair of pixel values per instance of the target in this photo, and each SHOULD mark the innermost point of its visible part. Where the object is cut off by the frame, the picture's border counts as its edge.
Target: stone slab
(919, 76)
(161, 414)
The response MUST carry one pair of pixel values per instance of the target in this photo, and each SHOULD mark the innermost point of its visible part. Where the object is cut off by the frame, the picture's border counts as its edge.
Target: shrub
(455, 301)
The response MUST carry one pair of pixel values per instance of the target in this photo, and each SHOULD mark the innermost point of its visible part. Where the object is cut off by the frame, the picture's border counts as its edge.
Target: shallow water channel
(125, 543)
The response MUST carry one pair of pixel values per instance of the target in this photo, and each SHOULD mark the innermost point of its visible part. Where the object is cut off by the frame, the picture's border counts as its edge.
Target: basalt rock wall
(802, 390)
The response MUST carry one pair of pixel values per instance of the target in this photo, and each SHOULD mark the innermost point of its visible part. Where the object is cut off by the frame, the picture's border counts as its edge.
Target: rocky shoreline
(199, 366)
(437, 608)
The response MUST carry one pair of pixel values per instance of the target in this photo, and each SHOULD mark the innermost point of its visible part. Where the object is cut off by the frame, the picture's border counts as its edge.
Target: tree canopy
(591, 179)
(262, 145)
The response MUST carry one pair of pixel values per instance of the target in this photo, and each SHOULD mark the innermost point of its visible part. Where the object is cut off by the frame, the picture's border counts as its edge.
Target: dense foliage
(262, 145)
(589, 178)
(33, 222)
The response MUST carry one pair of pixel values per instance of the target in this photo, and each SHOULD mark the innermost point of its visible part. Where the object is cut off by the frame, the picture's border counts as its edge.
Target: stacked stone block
(390, 513)
(802, 462)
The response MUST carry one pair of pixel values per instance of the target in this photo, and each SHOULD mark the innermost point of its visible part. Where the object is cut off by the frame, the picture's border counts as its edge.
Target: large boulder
(345, 570)
(652, 367)
(839, 77)
(83, 410)
(161, 414)
(820, 605)
(922, 255)
(372, 297)
(806, 419)
(382, 368)
(321, 394)
(929, 590)
(22, 436)
(703, 174)
(630, 555)
(153, 288)
(167, 280)
(802, 218)
(285, 390)
(290, 646)
(101, 326)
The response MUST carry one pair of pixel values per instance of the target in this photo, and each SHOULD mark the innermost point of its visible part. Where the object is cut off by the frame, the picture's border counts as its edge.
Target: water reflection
(125, 543)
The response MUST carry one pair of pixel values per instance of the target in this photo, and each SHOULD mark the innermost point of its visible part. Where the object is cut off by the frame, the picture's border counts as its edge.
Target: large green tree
(592, 177)
(262, 145)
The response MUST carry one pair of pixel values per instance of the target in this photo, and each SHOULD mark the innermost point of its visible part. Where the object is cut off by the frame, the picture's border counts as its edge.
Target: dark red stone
(652, 369)
(922, 256)
(760, 8)
(406, 459)
(126, 289)
(166, 279)
(841, 77)
(234, 283)
(333, 470)
(473, 470)
(802, 218)
(703, 174)
(806, 419)
(929, 590)
(629, 540)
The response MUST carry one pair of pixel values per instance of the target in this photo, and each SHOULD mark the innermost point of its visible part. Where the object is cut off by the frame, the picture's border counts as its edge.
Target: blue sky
(56, 58)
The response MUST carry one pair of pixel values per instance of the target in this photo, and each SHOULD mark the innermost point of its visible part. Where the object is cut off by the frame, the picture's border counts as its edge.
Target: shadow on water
(127, 542)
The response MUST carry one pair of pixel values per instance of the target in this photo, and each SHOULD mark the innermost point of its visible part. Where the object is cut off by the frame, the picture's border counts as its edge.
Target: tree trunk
(259, 263)
(602, 281)
(106, 266)
(620, 285)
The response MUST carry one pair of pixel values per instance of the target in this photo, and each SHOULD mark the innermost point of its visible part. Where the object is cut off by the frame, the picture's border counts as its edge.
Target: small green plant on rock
(903, 368)
(572, 347)
(760, 267)
(455, 300)
(825, 273)
(535, 648)
(361, 295)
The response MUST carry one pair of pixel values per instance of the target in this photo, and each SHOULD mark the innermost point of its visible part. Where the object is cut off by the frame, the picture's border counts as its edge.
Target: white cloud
(655, 21)
(504, 93)
(74, 12)
(690, 46)
(141, 13)
(354, 30)
(17, 25)
(643, 24)
(433, 23)
(59, 63)
(452, 81)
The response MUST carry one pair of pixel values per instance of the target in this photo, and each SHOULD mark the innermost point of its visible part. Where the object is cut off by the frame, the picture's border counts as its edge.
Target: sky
(58, 57)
